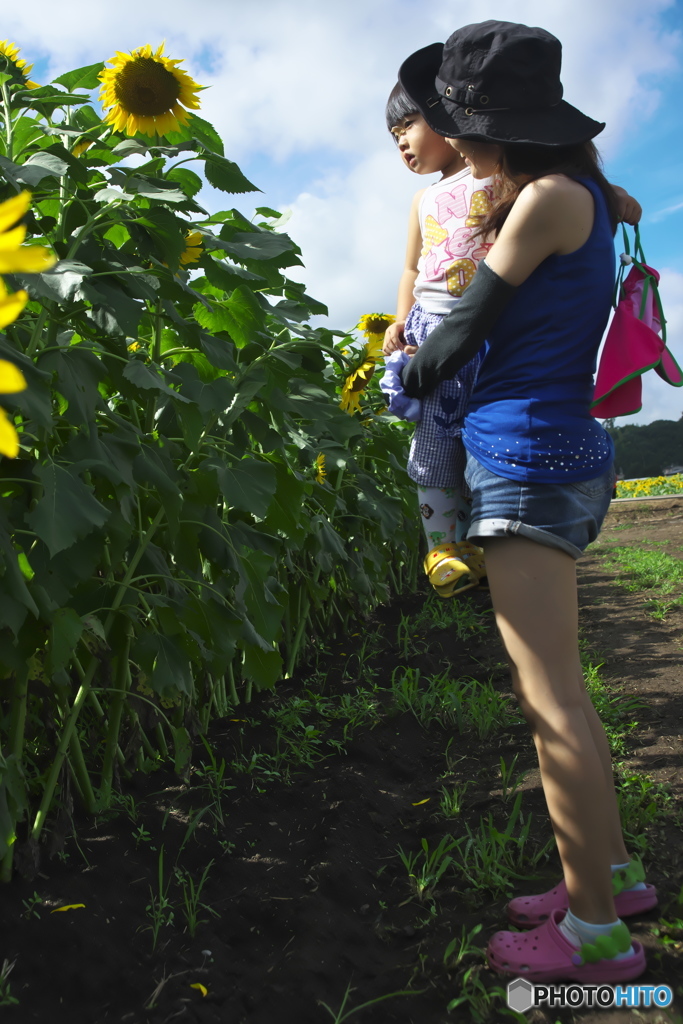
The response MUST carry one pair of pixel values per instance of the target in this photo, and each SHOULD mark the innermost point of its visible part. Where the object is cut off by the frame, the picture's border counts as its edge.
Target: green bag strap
(649, 281)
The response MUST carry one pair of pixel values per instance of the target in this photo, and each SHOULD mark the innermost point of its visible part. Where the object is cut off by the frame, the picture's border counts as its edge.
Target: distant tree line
(647, 450)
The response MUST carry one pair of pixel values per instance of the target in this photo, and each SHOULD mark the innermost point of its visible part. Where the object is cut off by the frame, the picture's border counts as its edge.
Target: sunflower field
(186, 505)
(650, 486)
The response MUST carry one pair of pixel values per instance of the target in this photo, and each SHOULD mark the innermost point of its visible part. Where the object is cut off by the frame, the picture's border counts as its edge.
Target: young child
(441, 259)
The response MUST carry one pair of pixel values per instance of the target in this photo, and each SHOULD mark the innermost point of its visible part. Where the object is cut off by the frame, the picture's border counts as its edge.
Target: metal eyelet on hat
(469, 112)
(483, 99)
(449, 91)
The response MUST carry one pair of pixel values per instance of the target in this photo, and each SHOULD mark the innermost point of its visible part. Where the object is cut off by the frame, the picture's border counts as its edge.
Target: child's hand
(410, 350)
(393, 337)
(628, 208)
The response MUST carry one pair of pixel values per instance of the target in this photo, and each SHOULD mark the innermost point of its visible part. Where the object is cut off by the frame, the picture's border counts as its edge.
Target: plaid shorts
(437, 455)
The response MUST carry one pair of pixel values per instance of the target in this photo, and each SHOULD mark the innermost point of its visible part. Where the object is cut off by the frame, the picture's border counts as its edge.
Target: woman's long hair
(578, 161)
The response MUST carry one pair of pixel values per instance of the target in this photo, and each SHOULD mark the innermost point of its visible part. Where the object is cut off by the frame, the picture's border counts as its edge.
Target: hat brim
(560, 125)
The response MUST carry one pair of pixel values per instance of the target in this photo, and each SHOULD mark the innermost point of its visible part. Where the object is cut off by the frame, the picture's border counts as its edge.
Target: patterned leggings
(445, 514)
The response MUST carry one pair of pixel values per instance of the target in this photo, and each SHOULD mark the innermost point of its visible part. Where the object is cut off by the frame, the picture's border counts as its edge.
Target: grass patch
(655, 571)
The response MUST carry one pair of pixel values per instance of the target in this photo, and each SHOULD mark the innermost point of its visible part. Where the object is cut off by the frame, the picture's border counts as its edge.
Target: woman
(538, 465)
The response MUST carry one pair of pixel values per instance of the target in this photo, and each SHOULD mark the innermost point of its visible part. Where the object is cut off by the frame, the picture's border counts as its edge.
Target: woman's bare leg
(534, 594)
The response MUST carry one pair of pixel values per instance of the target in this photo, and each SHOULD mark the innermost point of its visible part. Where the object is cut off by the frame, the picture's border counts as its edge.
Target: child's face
(482, 158)
(422, 150)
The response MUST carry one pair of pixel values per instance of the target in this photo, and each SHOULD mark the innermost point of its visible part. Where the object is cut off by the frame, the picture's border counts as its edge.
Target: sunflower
(15, 258)
(145, 91)
(11, 381)
(373, 325)
(321, 471)
(193, 248)
(18, 69)
(359, 378)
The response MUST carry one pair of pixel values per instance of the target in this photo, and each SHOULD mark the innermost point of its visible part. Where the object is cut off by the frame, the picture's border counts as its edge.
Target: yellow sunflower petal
(11, 307)
(9, 439)
(14, 209)
(11, 378)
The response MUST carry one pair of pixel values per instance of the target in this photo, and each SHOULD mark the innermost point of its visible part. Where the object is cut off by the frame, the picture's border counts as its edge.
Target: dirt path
(308, 895)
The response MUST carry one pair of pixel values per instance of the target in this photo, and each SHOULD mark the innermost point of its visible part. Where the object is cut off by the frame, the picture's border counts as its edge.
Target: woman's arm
(551, 215)
(393, 338)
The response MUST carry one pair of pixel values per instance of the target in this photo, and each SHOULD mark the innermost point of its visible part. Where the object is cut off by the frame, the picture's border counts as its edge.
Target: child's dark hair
(399, 106)
(580, 160)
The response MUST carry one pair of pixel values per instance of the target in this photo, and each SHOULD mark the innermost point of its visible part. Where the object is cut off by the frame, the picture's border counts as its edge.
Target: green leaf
(190, 182)
(38, 166)
(65, 632)
(78, 373)
(244, 315)
(163, 230)
(264, 668)
(203, 132)
(60, 284)
(145, 377)
(67, 510)
(226, 176)
(171, 670)
(258, 245)
(248, 484)
(87, 77)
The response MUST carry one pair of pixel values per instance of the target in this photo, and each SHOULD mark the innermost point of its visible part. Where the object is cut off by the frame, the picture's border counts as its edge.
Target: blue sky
(297, 91)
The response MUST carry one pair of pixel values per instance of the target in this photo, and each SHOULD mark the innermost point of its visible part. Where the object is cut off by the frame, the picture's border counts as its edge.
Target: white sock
(577, 932)
(621, 867)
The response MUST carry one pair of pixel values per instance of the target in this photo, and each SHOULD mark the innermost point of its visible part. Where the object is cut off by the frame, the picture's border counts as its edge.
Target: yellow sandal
(449, 572)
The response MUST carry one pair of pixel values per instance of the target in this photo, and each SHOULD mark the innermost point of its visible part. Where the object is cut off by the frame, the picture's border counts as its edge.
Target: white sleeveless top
(448, 213)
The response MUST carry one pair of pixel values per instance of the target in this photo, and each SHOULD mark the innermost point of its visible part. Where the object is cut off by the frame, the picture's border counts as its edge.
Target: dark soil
(308, 894)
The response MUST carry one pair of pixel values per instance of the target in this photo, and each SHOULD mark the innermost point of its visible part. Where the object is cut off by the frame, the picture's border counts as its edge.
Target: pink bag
(633, 344)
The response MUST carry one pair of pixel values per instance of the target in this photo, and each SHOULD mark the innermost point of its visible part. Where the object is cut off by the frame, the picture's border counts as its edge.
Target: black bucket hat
(496, 81)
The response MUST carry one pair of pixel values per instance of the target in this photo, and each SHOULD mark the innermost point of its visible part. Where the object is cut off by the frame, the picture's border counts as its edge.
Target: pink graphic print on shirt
(449, 251)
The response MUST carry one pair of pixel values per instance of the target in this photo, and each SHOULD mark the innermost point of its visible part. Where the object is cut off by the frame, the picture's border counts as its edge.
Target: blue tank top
(529, 416)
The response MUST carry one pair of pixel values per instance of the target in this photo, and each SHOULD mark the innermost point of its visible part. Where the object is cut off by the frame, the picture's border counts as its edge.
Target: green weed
(160, 909)
(642, 801)
(6, 997)
(459, 616)
(191, 890)
(509, 780)
(491, 860)
(342, 1014)
(452, 800)
(426, 867)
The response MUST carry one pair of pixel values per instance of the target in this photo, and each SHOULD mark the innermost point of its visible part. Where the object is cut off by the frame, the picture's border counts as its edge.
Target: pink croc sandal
(530, 911)
(544, 954)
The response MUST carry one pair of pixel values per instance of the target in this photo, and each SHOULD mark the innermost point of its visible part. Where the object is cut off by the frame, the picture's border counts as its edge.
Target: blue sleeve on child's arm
(399, 403)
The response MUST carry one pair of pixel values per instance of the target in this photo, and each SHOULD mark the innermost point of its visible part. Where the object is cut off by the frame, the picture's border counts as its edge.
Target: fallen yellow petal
(200, 988)
(420, 802)
(69, 906)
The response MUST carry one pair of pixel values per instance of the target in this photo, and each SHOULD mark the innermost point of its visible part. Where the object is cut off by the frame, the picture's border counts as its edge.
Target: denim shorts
(565, 516)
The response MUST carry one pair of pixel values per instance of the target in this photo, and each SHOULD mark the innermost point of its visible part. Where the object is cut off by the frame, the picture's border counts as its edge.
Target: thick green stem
(64, 742)
(16, 750)
(122, 682)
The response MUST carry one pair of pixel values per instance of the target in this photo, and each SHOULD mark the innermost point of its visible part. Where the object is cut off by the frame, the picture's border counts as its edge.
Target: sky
(297, 88)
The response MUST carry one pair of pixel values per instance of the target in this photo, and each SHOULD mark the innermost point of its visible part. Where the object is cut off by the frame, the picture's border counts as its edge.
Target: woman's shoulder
(552, 190)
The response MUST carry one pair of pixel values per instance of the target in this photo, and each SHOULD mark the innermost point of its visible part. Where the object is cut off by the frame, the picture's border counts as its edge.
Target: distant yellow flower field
(650, 486)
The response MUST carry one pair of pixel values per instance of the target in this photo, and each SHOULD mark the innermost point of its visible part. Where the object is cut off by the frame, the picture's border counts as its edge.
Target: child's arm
(393, 338)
